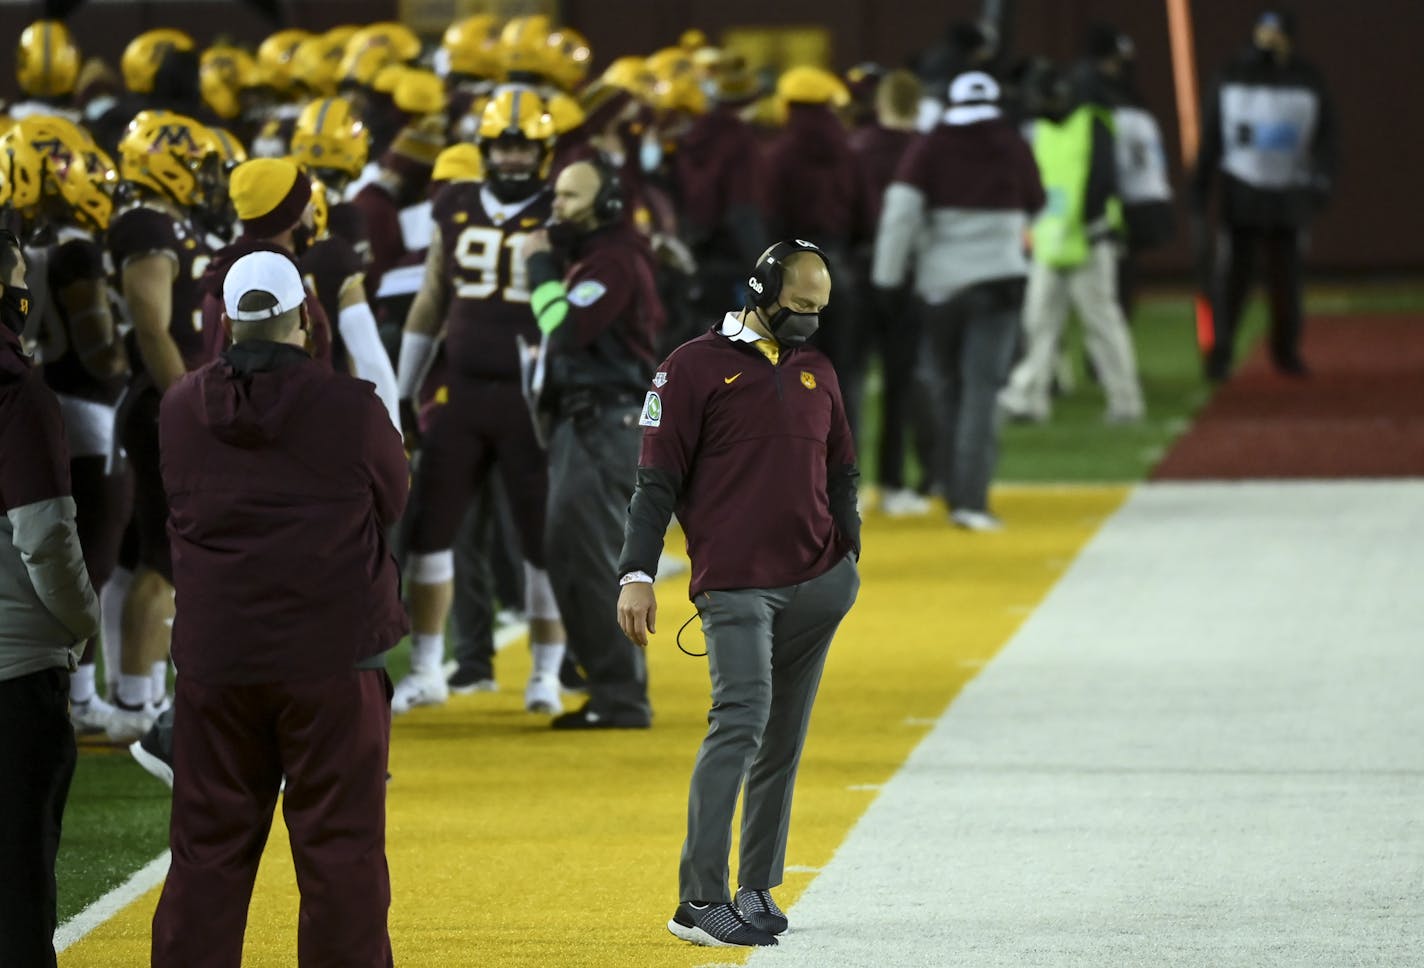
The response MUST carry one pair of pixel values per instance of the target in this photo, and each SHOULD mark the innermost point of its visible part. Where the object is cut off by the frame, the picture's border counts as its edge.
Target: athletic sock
(426, 652)
(81, 684)
(111, 622)
(134, 691)
(548, 656)
(159, 688)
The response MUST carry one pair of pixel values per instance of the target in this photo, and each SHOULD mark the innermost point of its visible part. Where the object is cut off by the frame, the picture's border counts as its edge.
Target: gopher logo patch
(808, 379)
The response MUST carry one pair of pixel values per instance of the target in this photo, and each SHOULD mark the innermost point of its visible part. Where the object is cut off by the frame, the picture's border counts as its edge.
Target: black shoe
(1293, 366)
(588, 718)
(761, 911)
(149, 751)
(464, 681)
(716, 926)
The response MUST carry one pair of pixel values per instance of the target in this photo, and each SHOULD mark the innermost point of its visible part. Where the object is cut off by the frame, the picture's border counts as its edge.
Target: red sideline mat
(1360, 413)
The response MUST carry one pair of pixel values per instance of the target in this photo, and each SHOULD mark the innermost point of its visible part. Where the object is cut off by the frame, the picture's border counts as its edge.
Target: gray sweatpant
(765, 652)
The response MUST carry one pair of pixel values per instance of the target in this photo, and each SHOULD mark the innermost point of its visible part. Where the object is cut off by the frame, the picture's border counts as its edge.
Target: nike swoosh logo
(730, 379)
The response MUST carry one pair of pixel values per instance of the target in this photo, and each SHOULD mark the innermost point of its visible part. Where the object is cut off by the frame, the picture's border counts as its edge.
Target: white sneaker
(542, 695)
(126, 725)
(904, 503)
(91, 716)
(423, 687)
(976, 521)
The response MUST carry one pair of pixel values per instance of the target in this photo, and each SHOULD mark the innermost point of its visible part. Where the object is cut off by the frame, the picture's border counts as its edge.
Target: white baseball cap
(269, 272)
(973, 87)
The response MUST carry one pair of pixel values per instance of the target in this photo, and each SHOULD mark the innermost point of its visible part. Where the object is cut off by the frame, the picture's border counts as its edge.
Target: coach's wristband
(634, 577)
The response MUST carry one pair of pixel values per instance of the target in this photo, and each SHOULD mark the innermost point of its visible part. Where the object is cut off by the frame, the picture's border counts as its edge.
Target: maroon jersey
(489, 287)
(65, 263)
(143, 231)
(325, 266)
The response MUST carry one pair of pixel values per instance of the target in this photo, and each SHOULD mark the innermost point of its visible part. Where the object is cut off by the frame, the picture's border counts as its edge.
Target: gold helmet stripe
(514, 111)
(48, 68)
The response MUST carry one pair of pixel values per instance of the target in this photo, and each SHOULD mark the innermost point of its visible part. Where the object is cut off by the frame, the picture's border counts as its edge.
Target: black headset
(764, 286)
(608, 203)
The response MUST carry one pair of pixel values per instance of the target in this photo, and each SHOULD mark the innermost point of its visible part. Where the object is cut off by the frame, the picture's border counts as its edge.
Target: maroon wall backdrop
(1368, 51)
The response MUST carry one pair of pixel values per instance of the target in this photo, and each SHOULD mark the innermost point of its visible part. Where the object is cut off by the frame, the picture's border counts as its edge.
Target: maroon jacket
(282, 477)
(879, 150)
(720, 184)
(758, 460)
(815, 187)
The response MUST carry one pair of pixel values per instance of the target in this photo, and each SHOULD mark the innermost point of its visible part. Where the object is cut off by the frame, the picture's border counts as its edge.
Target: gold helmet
(145, 53)
(565, 112)
(461, 162)
(330, 137)
(372, 48)
(632, 75)
(76, 174)
(568, 58)
(419, 91)
(274, 57)
(524, 45)
(316, 62)
(172, 156)
(515, 117)
(470, 48)
(812, 85)
(46, 60)
(223, 71)
(21, 174)
(231, 151)
(320, 208)
(675, 87)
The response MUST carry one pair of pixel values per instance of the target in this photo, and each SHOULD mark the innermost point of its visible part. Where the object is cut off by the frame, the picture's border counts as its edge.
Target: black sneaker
(761, 911)
(716, 926)
(588, 718)
(464, 681)
(149, 752)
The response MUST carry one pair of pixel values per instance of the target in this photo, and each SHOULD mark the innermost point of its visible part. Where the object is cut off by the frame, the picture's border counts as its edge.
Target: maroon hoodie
(719, 176)
(816, 188)
(282, 477)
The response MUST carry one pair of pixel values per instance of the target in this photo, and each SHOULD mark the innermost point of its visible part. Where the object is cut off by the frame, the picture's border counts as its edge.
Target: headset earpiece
(768, 276)
(608, 203)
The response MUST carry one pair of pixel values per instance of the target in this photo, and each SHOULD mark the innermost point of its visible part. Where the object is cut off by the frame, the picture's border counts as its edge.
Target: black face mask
(793, 329)
(15, 308)
(563, 236)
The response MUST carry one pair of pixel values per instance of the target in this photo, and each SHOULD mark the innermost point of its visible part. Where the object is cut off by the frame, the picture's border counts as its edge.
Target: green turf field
(117, 817)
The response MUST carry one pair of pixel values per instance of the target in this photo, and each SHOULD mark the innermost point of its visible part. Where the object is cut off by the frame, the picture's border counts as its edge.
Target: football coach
(282, 477)
(745, 437)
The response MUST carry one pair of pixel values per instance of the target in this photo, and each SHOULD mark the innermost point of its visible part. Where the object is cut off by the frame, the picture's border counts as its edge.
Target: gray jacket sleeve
(901, 219)
(49, 546)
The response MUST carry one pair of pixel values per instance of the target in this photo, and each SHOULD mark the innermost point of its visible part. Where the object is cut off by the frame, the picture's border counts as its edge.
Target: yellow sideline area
(513, 845)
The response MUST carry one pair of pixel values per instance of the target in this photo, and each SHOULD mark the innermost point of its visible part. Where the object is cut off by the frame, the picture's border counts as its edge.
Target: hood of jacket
(253, 389)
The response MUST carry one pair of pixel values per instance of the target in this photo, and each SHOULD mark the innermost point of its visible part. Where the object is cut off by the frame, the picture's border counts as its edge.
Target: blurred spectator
(960, 202)
(1269, 127)
(1074, 259)
(883, 326)
(816, 190)
(1105, 77)
(720, 178)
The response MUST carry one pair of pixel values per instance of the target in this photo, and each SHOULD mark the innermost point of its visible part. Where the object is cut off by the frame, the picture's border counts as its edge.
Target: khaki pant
(1091, 289)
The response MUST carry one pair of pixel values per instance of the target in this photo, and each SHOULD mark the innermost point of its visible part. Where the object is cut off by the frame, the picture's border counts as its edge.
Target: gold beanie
(269, 195)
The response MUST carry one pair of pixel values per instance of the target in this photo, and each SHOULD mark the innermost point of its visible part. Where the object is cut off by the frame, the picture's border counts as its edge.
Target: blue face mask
(650, 154)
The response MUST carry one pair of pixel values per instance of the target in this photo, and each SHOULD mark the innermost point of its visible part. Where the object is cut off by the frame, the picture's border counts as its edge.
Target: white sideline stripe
(144, 880)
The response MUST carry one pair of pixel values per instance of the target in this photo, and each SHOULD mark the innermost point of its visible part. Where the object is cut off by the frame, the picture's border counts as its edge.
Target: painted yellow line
(512, 845)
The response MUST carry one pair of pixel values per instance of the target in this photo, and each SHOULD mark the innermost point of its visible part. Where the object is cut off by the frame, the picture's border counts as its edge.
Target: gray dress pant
(765, 652)
(593, 466)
